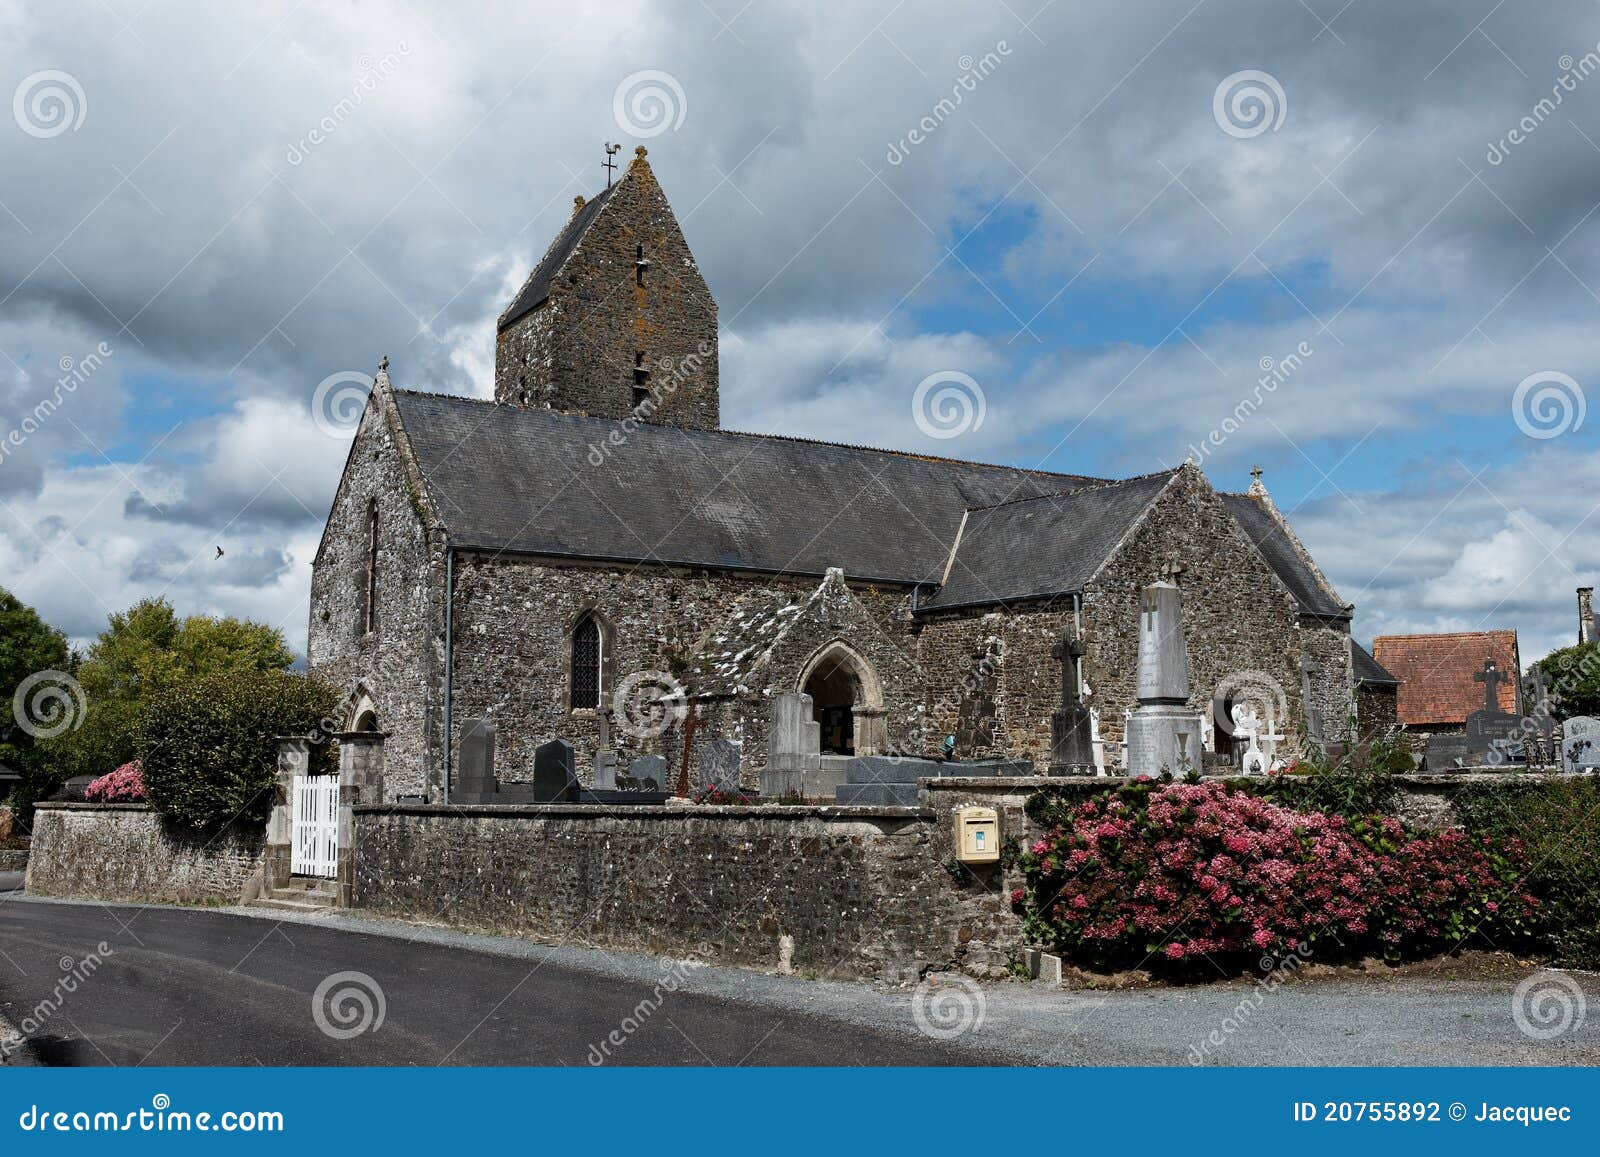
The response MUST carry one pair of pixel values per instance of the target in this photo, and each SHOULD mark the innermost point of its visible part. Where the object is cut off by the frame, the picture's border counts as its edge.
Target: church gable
(763, 645)
(616, 320)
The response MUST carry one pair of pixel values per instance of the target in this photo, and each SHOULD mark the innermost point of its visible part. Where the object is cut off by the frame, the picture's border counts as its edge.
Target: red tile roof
(1435, 673)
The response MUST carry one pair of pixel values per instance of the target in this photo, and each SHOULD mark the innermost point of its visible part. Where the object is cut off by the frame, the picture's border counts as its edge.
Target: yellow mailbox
(977, 835)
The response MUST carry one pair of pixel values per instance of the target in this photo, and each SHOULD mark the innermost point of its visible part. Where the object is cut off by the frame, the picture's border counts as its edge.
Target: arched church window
(369, 617)
(586, 663)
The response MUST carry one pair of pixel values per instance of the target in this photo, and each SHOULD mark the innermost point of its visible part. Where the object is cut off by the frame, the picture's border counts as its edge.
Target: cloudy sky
(1114, 219)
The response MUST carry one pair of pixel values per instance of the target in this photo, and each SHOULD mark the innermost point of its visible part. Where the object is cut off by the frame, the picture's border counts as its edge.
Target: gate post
(360, 782)
(294, 758)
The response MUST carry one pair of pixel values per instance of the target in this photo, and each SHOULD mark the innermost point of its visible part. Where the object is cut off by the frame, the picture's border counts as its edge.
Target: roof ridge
(1093, 484)
(1088, 479)
(1450, 634)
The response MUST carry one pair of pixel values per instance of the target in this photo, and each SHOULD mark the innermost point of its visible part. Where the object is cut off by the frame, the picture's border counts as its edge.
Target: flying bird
(219, 552)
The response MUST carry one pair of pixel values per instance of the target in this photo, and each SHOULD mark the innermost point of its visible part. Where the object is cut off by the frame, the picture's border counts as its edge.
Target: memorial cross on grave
(1491, 677)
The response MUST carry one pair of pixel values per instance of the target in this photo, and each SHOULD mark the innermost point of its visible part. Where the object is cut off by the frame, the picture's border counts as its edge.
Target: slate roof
(1369, 670)
(1050, 545)
(524, 480)
(537, 288)
(1435, 673)
(1263, 530)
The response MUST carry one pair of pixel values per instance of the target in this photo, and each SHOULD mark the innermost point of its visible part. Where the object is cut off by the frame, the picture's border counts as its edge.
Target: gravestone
(891, 780)
(1492, 737)
(719, 764)
(475, 779)
(1580, 744)
(555, 778)
(1071, 728)
(1163, 734)
(649, 772)
(794, 751)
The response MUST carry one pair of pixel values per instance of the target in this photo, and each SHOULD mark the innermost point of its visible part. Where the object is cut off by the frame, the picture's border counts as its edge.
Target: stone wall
(123, 852)
(1377, 710)
(578, 351)
(862, 892)
(1328, 680)
(399, 666)
(13, 859)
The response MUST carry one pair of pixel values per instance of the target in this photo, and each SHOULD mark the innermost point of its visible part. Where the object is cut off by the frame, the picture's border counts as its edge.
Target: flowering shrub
(125, 785)
(1183, 870)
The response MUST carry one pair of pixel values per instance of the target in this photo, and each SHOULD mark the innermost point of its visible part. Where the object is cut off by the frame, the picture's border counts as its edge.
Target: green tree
(207, 744)
(28, 645)
(1572, 675)
(142, 651)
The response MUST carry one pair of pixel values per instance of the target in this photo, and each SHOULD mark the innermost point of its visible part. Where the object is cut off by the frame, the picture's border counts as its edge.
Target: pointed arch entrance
(846, 700)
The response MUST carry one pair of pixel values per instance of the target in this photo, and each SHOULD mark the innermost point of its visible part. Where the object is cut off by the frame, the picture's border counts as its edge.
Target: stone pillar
(294, 758)
(1586, 615)
(360, 782)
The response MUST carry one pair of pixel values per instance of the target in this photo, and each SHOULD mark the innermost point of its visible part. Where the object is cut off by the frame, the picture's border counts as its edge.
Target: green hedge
(1558, 821)
(207, 745)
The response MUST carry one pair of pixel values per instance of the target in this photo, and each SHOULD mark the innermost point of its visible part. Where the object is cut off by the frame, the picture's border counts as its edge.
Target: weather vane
(611, 151)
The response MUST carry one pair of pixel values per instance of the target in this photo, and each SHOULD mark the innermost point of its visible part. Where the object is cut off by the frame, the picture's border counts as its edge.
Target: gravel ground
(1398, 1020)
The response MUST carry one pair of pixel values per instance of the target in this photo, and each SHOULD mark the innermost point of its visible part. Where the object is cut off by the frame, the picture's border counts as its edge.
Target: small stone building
(593, 536)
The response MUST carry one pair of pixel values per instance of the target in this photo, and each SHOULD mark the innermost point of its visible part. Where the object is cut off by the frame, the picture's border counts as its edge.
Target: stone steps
(301, 894)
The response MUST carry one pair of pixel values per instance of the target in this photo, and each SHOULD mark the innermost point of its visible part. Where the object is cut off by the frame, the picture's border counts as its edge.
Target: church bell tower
(615, 321)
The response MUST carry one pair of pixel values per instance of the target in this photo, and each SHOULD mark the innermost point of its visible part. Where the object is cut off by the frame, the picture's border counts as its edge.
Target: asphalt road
(191, 987)
(188, 986)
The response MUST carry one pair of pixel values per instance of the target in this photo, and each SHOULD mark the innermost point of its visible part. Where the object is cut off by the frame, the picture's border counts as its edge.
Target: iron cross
(611, 151)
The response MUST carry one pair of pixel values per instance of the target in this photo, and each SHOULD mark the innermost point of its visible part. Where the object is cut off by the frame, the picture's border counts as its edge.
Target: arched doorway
(846, 701)
(363, 714)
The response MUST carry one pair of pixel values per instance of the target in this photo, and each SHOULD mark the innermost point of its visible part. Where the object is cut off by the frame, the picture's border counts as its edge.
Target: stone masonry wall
(955, 651)
(1238, 618)
(400, 664)
(123, 852)
(513, 620)
(1329, 681)
(863, 893)
(579, 350)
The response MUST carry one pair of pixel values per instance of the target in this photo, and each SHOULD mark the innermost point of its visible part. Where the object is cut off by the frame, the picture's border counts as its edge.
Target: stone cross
(1171, 570)
(1068, 650)
(1491, 678)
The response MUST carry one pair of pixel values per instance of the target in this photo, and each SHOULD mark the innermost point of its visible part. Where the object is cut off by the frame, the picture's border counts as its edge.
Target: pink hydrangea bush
(1161, 873)
(124, 785)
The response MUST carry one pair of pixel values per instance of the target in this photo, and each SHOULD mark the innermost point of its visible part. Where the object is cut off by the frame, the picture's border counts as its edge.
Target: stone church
(593, 530)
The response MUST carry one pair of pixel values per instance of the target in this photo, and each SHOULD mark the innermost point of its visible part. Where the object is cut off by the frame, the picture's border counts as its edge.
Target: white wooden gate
(316, 826)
